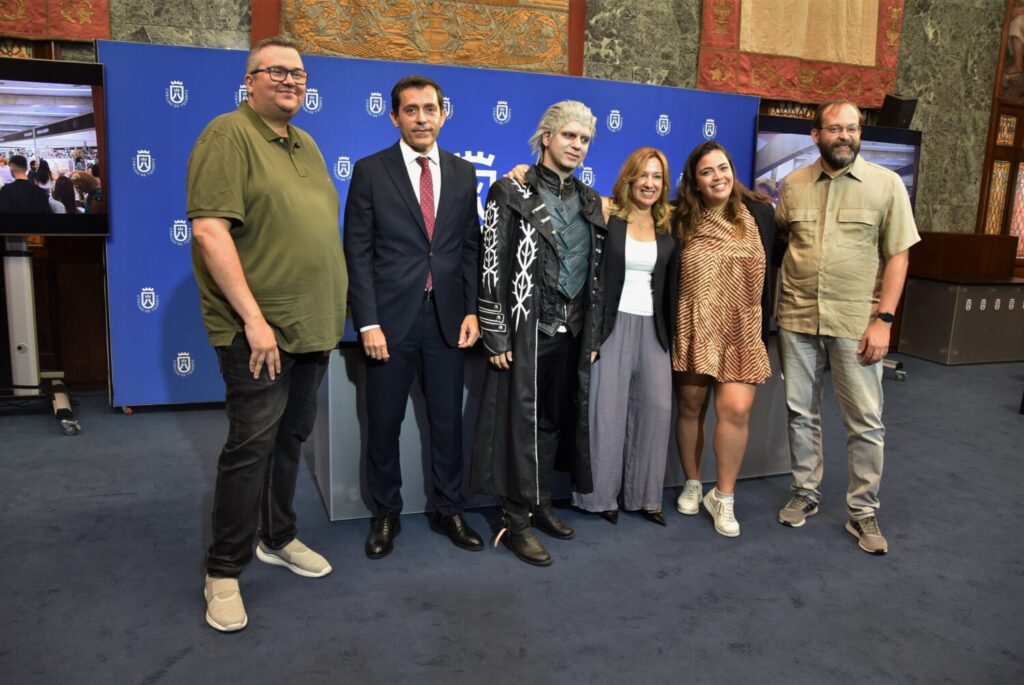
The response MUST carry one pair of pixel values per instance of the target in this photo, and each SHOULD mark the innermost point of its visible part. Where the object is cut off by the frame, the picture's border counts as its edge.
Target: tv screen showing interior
(784, 144)
(51, 148)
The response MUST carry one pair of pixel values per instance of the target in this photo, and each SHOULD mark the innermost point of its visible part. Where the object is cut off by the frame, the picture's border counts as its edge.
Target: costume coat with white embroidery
(519, 258)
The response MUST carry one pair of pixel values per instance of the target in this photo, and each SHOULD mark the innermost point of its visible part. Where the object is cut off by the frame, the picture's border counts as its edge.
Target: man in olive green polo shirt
(267, 256)
(849, 226)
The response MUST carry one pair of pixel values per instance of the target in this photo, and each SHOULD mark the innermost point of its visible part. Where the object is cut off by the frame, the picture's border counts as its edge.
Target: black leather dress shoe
(544, 517)
(654, 517)
(381, 539)
(527, 547)
(611, 516)
(457, 530)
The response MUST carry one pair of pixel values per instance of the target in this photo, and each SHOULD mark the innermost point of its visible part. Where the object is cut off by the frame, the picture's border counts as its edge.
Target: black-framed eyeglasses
(852, 129)
(279, 74)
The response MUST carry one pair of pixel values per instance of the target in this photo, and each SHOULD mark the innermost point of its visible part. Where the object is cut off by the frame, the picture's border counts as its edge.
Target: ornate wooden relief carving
(10, 47)
(55, 19)
(529, 35)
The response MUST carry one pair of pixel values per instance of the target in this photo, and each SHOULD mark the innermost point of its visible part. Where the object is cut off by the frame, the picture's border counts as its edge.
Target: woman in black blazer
(630, 383)
(727, 233)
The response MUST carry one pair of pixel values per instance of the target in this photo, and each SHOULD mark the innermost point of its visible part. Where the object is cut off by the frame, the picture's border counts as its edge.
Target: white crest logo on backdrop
(484, 177)
(502, 112)
(312, 103)
(343, 168)
(664, 125)
(183, 365)
(710, 129)
(449, 110)
(148, 300)
(241, 95)
(615, 121)
(375, 104)
(176, 94)
(179, 232)
(587, 175)
(143, 163)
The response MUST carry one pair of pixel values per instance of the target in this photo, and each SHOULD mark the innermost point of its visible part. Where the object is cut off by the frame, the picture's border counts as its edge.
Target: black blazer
(664, 281)
(764, 217)
(388, 253)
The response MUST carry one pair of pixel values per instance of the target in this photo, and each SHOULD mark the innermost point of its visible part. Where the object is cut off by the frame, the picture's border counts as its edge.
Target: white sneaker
(224, 608)
(721, 510)
(689, 499)
(295, 557)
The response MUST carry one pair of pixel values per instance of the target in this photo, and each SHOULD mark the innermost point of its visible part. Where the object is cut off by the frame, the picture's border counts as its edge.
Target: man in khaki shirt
(267, 257)
(849, 226)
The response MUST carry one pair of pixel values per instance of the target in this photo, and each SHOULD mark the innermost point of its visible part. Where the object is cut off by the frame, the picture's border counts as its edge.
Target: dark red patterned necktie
(427, 204)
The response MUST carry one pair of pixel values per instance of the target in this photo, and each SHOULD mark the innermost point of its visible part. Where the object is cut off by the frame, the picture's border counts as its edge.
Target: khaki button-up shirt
(840, 231)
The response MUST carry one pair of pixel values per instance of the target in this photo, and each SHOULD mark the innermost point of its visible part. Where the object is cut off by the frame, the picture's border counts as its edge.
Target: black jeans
(268, 420)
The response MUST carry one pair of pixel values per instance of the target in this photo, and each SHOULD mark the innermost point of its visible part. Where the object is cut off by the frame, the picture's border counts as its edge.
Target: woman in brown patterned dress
(726, 231)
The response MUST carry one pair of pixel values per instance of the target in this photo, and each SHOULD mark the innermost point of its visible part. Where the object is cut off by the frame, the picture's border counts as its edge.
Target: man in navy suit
(411, 240)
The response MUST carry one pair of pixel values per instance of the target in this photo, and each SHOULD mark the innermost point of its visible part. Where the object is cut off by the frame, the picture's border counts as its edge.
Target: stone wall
(948, 59)
(207, 23)
(200, 23)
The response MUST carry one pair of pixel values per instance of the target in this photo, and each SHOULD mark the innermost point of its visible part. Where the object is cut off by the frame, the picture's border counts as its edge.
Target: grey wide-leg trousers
(630, 418)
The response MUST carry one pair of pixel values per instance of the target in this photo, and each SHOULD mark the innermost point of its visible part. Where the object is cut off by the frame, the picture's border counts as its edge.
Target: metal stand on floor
(27, 381)
(896, 368)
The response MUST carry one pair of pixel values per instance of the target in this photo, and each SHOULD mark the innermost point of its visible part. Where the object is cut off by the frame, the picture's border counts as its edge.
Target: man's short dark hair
(252, 62)
(413, 81)
(819, 114)
(18, 161)
(94, 169)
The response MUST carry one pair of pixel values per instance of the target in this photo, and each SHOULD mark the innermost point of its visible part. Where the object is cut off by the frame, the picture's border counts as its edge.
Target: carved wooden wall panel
(529, 35)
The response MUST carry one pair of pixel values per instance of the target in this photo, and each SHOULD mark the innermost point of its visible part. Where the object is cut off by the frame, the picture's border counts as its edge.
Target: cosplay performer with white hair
(539, 306)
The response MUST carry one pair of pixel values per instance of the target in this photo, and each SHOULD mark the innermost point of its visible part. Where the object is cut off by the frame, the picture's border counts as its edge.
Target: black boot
(544, 517)
(519, 538)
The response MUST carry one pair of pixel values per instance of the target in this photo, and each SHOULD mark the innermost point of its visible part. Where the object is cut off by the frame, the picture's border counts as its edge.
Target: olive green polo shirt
(283, 209)
(840, 230)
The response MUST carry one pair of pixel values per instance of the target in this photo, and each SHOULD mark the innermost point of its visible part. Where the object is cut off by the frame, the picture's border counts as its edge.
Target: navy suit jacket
(388, 253)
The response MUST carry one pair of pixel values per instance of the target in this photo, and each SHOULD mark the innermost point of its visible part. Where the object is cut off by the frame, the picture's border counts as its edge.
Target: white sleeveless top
(637, 298)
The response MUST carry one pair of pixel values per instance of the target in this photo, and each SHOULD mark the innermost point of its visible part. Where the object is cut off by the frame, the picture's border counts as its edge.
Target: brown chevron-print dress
(718, 325)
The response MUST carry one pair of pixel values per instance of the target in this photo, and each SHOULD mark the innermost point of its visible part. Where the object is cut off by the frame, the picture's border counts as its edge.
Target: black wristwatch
(887, 317)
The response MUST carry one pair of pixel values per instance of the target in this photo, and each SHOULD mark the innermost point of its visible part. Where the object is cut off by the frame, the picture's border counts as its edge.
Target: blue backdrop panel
(159, 98)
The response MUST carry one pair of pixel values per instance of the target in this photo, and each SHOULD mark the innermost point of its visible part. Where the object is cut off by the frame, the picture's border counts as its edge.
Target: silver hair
(556, 117)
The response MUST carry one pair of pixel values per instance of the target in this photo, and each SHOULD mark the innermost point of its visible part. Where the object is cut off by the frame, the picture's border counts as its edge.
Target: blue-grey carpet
(104, 534)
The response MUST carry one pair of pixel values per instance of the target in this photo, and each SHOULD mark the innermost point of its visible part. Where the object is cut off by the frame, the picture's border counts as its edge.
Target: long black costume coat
(516, 244)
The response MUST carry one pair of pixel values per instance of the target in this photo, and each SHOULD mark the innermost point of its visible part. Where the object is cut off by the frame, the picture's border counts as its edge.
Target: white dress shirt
(414, 169)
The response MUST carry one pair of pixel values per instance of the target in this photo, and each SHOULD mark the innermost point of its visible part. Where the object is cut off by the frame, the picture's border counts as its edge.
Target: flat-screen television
(53, 111)
(784, 144)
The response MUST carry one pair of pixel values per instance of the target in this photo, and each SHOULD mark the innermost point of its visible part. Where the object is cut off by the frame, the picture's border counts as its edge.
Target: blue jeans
(858, 390)
(268, 420)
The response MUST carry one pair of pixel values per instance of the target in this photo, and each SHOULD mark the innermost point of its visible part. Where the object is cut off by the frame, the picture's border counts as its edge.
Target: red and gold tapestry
(82, 20)
(802, 50)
